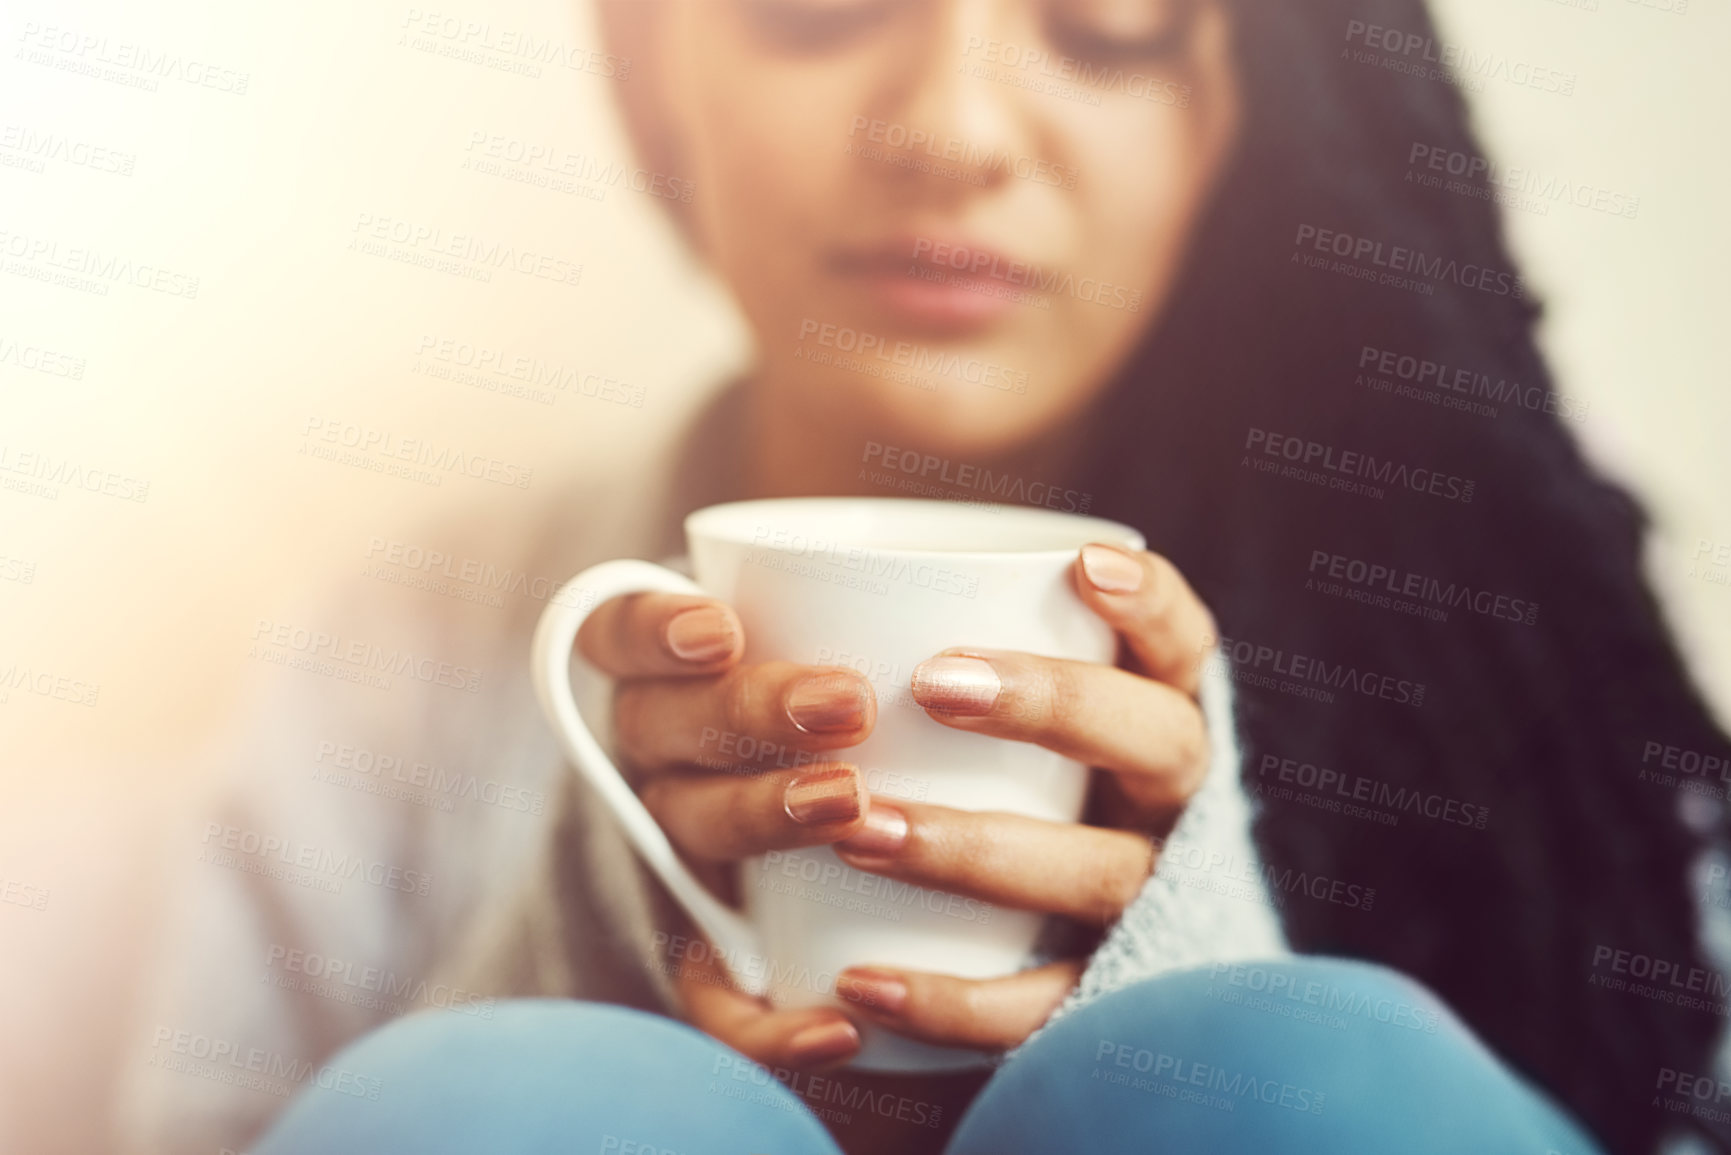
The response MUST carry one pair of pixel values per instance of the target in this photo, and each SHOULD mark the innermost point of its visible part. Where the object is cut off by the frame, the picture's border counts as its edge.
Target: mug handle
(550, 667)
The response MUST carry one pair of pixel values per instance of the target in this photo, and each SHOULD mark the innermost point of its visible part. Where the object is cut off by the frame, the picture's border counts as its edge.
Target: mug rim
(722, 522)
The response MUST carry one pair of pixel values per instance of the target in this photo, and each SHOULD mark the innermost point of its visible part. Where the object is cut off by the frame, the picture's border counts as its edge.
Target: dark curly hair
(1536, 710)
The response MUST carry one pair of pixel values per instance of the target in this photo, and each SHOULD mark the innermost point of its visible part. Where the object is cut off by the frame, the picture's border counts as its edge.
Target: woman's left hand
(1138, 724)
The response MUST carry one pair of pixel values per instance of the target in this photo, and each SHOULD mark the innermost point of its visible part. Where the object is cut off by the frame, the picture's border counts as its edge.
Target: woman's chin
(963, 422)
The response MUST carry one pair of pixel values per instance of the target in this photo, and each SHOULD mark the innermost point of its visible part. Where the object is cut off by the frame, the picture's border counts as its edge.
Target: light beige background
(258, 195)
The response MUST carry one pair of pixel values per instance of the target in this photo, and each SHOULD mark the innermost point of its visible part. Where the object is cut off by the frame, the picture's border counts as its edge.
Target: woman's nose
(942, 88)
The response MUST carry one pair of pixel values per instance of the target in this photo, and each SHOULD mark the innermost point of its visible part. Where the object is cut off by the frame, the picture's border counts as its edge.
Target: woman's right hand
(684, 710)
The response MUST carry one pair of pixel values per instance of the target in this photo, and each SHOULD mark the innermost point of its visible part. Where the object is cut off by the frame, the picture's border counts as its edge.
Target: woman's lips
(936, 286)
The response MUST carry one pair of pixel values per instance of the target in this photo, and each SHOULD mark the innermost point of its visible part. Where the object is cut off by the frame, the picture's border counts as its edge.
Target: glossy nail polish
(965, 686)
(824, 1043)
(884, 832)
(702, 634)
(882, 991)
(829, 795)
(827, 703)
(1110, 571)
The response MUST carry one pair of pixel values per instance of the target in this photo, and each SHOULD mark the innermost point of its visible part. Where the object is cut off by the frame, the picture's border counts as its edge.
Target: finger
(1146, 600)
(808, 1038)
(755, 717)
(986, 1014)
(723, 818)
(1099, 715)
(1087, 873)
(653, 635)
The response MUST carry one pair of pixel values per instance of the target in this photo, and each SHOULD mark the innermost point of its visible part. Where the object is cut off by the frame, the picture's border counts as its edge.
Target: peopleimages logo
(1217, 871)
(554, 161)
(1093, 79)
(372, 772)
(1457, 387)
(1478, 175)
(38, 359)
(671, 953)
(1277, 984)
(953, 149)
(125, 62)
(386, 451)
(862, 561)
(497, 370)
(981, 479)
(487, 578)
(1256, 664)
(225, 1061)
(23, 894)
(734, 752)
(34, 149)
(1369, 256)
(1696, 1086)
(899, 360)
(1339, 789)
(821, 1094)
(829, 883)
(1349, 469)
(342, 980)
(1387, 587)
(1681, 1087)
(60, 687)
(1233, 1086)
(1420, 55)
(1666, 765)
(89, 269)
(974, 262)
(1686, 986)
(506, 49)
(222, 842)
(362, 654)
(45, 472)
(473, 255)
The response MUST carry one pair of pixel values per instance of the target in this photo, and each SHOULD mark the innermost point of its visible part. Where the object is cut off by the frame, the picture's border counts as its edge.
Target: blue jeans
(1296, 1055)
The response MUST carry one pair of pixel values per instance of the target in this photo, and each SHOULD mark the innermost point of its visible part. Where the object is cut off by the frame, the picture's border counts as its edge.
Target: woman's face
(946, 220)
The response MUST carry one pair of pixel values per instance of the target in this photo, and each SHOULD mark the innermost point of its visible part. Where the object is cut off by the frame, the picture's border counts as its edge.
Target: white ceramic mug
(878, 584)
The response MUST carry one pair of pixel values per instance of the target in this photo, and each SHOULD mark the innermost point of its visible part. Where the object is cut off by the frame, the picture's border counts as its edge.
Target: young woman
(1177, 262)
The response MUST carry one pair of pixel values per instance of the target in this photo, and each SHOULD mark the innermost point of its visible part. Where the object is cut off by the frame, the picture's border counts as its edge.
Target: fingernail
(823, 703)
(966, 686)
(824, 1043)
(884, 832)
(1110, 571)
(702, 634)
(823, 796)
(881, 990)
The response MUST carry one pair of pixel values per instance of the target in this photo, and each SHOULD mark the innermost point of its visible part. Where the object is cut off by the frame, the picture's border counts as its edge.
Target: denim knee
(542, 1075)
(1297, 1054)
